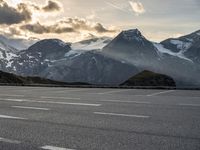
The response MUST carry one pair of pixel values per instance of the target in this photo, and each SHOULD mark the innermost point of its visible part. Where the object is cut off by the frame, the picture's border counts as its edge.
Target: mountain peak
(135, 31)
(50, 44)
(132, 34)
(49, 48)
(55, 41)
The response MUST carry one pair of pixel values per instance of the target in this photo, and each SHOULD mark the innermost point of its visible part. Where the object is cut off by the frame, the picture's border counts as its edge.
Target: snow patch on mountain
(10, 56)
(1, 55)
(7, 57)
(183, 46)
(162, 49)
(74, 53)
(2, 46)
(7, 48)
(93, 45)
(198, 33)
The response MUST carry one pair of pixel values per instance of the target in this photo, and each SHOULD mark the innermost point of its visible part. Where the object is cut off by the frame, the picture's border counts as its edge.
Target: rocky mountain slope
(131, 46)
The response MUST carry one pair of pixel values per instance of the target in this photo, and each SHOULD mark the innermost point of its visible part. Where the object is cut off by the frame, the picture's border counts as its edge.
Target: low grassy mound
(148, 78)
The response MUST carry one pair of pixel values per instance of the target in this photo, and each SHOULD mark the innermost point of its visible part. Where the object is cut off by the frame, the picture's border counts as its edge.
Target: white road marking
(48, 147)
(74, 90)
(115, 91)
(11, 95)
(9, 141)
(66, 103)
(45, 97)
(120, 101)
(52, 102)
(12, 100)
(123, 115)
(34, 108)
(193, 105)
(158, 93)
(11, 117)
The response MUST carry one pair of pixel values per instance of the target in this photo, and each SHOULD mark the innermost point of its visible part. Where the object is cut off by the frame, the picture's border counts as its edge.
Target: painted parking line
(10, 95)
(121, 101)
(122, 115)
(45, 97)
(52, 102)
(11, 117)
(115, 91)
(159, 93)
(71, 90)
(12, 100)
(48, 147)
(66, 103)
(33, 108)
(9, 141)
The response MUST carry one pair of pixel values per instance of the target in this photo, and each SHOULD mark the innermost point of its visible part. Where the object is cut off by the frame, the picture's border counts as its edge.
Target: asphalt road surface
(33, 118)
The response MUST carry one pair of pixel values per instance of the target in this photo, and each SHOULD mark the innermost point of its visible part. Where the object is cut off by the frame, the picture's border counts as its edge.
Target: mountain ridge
(129, 51)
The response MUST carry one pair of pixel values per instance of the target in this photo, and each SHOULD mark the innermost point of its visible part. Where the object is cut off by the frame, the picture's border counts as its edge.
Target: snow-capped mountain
(106, 61)
(55, 59)
(9, 49)
(7, 52)
(81, 47)
(163, 51)
(39, 56)
(187, 46)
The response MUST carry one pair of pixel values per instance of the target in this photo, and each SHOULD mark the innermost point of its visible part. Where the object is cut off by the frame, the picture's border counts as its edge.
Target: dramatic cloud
(23, 11)
(28, 19)
(10, 15)
(82, 24)
(52, 6)
(137, 7)
(41, 29)
(66, 26)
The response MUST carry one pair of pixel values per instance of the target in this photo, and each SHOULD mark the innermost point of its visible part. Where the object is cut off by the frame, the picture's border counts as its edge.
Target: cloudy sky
(74, 20)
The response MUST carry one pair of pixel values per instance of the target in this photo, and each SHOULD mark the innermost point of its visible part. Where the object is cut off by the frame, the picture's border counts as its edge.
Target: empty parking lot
(98, 119)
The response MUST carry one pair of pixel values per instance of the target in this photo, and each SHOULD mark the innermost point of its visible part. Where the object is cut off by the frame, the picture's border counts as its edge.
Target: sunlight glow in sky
(74, 20)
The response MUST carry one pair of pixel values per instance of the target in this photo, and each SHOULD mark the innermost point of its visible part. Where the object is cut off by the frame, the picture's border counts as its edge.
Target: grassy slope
(15, 79)
(148, 78)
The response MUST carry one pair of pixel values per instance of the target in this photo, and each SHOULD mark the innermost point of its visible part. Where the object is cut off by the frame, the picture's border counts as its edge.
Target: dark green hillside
(10, 78)
(148, 78)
